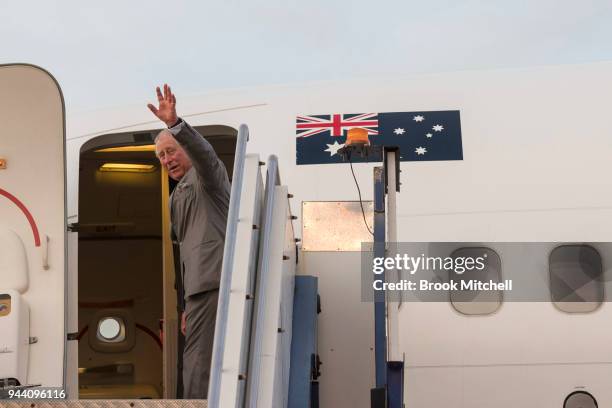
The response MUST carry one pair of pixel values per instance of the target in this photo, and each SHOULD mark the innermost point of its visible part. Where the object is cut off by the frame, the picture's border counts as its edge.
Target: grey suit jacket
(198, 211)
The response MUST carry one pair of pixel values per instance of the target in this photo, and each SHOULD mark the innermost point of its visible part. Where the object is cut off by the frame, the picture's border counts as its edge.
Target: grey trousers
(201, 312)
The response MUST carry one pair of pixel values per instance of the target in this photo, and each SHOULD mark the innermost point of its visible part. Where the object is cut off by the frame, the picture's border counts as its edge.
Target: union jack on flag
(337, 124)
(420, 136)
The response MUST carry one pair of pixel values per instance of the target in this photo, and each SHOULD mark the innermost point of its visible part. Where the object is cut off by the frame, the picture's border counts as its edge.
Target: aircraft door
(32, 228)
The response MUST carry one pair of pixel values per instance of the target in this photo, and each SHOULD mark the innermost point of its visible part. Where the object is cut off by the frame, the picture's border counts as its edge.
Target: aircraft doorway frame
(223, 139)
(169, 315)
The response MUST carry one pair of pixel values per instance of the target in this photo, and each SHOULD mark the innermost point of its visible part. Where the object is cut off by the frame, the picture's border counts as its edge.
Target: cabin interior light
(128, 167)
(140, 148)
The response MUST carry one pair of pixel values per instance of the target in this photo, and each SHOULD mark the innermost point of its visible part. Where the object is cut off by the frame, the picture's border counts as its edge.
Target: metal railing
(214, 385)
(272, 180)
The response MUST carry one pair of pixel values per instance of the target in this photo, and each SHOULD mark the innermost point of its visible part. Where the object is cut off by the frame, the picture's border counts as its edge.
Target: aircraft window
(580, 399)
(576, 278)
(5, 304)
(113, 331)
(110, 329)
(477, 298)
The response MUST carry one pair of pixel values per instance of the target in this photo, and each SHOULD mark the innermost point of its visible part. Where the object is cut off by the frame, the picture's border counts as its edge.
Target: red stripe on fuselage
(26, 212)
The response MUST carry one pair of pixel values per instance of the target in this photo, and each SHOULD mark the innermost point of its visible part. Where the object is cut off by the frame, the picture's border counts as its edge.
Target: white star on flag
(399, 131)
(333, 148)
(438, 128)
(429, 135)
(418, 118)
(420, 150)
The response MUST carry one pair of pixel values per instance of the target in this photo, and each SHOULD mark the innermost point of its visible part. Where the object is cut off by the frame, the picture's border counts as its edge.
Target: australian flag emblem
(421, 136)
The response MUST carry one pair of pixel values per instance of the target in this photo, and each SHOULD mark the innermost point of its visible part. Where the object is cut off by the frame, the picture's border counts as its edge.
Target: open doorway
(126, 293)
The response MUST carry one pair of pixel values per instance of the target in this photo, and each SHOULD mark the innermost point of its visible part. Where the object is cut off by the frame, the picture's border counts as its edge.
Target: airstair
(254, 364)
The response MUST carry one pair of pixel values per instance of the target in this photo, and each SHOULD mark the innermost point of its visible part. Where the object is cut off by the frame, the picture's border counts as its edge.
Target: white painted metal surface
(15, 329)
(288, 271)
(240, 307)
(346, 329)
(515, 345)
(72, 324)
(32, 143)
(393, 350)
(273, 376)
(14, 262)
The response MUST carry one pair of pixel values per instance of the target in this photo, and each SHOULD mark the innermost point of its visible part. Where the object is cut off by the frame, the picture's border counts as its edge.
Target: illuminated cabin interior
(125, 290)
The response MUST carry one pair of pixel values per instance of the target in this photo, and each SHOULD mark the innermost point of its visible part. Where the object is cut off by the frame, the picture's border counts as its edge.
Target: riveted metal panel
(335, 225)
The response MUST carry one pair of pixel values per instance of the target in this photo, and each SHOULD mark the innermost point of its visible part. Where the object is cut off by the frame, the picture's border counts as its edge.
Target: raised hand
(166, 111)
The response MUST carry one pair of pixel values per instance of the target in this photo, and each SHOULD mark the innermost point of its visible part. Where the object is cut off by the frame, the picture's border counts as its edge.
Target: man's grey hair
(161, 133)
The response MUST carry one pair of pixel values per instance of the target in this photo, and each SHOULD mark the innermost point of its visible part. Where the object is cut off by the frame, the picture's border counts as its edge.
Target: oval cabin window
(576, 278)
(472, 299)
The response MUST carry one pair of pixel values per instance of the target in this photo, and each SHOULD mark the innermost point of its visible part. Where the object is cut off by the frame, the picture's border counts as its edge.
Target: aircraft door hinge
(72, 336)
(74, 227)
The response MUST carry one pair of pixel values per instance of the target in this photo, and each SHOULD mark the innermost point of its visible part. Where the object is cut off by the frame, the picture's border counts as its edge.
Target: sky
(114, 52)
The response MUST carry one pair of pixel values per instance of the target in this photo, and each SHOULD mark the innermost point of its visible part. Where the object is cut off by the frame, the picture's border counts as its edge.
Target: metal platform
(105, 404)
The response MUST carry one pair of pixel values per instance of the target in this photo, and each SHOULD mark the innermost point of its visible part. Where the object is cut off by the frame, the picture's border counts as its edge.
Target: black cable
(359, 192)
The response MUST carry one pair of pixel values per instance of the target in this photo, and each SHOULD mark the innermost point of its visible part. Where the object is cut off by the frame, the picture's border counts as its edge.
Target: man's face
(172, 156)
